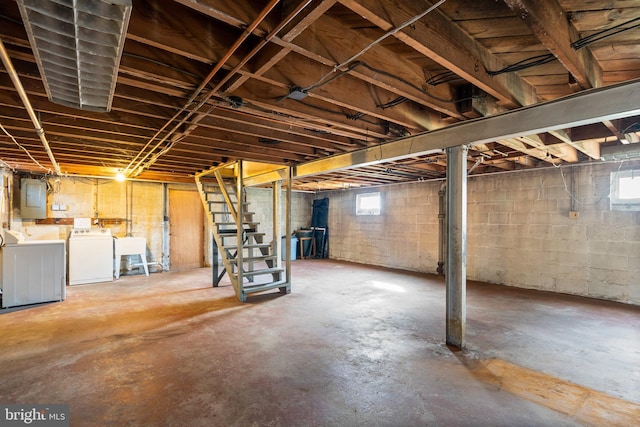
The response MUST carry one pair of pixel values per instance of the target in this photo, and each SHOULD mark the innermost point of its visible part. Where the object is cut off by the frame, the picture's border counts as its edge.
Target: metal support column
(214, 263)
(276, 187)
(287, 220)
(456, 262)
(240, 229)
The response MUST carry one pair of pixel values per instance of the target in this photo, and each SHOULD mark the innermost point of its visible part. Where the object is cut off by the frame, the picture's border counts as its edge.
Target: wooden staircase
(252, 265)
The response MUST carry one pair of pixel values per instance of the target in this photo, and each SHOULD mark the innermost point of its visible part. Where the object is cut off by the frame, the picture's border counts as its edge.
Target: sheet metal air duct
(77, 45)
(620, 152)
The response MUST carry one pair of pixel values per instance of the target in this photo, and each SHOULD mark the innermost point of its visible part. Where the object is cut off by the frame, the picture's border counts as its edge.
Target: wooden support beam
(562, 151)
(549, 23)
(590, 149)
(518, 145)
(436, 37)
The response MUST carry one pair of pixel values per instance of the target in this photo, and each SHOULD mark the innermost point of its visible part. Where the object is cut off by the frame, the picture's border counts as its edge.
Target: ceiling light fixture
(120, 177)
(77, 45)
(297, 93)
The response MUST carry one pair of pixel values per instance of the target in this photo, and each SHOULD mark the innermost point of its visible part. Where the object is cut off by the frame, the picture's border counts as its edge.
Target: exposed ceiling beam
(595, 105)
(591, 149)
(549, 23)
(518, 145)
(439, 39)
(565, 152)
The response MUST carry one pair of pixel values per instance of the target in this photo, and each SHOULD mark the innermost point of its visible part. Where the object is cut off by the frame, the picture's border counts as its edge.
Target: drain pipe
(27, 104)
(442, 235)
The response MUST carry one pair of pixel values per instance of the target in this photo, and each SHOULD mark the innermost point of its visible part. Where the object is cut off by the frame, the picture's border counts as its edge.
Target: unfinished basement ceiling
(201, 82)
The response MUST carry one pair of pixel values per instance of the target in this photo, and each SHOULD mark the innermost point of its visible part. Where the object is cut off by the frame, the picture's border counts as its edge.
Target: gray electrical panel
(33, 199)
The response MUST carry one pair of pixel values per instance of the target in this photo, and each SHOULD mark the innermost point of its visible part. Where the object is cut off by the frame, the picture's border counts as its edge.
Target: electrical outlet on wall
(574, 214)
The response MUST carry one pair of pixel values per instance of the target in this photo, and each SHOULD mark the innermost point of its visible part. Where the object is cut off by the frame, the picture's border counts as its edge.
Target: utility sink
(131, 246)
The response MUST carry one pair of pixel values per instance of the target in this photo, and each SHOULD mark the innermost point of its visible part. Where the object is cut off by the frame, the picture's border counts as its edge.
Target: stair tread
(262, 271)
(254, 258)
(235, 231)
(223, 202)
(247, 227)
(233, 223)
(227, 212)
(252, 246)
(229, 233)
(264, 286)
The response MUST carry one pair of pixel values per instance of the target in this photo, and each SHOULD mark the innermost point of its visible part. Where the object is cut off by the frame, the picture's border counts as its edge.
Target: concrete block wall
(6, 184)
(261, 202)
(521, 233)
(518, 231)
(404, 236)
(106, 200)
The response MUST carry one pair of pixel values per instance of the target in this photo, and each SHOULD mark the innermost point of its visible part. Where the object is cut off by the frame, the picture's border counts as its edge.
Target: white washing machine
(90, 256)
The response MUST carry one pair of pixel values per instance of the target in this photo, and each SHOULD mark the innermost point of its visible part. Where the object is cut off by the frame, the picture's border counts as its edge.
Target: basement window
(368, 204)
(625, 190)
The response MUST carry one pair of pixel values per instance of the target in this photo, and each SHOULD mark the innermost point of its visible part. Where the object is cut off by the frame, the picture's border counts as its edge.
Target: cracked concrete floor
(352, 345)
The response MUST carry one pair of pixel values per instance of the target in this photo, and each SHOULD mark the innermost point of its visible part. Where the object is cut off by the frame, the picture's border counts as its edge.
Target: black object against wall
(320, 226)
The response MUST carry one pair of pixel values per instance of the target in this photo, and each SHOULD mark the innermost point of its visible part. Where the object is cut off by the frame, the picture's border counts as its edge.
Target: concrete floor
(350, 346)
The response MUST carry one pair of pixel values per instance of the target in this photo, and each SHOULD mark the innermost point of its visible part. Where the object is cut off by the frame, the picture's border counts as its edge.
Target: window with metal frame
(625, 190)
(368, 204)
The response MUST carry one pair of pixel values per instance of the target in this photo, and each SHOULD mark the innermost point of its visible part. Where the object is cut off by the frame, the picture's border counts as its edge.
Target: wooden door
(186, 230)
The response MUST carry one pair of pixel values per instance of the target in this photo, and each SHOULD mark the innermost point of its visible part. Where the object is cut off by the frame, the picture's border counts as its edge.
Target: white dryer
(90, 256)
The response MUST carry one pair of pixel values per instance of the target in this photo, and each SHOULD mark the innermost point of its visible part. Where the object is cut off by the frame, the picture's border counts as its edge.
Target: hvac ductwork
(77, 45)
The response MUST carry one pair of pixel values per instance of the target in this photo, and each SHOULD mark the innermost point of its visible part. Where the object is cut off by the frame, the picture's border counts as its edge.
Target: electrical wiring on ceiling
(357, 64)
(7, 165)
(586, 41)
(160, 63)
(524, 64)
(399, 100)
(444, 77)
(23, 148)
(355, 116)
(578, 44)
(380, 39)
(633, 127)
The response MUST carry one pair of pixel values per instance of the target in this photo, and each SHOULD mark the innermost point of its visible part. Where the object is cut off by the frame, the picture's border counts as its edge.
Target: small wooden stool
(312, 242)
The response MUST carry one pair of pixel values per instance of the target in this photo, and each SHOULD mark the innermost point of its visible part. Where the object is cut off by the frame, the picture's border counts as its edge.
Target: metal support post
(214, 263)
(240, 230)
(456, 262)
(277, 242)
(288, 230)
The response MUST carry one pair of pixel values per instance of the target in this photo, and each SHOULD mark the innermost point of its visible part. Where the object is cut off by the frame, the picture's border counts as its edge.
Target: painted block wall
(106, 200)
(6, 184)
(405, 236)
(301, 204)
(518, 232)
